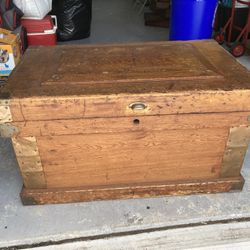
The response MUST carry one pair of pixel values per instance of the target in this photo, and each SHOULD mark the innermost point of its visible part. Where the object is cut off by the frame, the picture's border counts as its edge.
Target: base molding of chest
(69, 195)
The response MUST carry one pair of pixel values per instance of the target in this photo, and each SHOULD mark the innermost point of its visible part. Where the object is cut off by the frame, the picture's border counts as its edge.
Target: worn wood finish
(77, 137)
(129, 124)
(58, 108)
(103, 70)
(123, 158)
(53, 196)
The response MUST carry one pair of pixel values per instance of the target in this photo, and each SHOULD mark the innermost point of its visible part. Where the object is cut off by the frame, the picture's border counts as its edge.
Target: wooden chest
(127, 121)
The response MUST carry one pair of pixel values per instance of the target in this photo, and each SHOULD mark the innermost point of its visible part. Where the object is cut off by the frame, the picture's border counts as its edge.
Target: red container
(41, 32)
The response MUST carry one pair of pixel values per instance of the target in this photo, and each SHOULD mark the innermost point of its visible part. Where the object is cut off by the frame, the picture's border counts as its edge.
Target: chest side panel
(132, 157)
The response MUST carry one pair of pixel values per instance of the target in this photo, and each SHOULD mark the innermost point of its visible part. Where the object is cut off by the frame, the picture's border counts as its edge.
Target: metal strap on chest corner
(7, 130)
(5, 114)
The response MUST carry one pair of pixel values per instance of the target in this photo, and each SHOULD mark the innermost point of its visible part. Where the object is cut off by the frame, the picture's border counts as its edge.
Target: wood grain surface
(157, 67)
(54, 196)
(57, 108)
(131, 124)
(132, 157)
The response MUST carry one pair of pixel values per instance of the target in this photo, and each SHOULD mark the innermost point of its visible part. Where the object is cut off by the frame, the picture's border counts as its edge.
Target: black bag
(10, 15)
(4, 5)
(74, 18)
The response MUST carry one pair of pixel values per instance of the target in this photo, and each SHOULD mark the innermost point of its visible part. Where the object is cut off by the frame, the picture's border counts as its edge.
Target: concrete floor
(113, 21)
(116, 21)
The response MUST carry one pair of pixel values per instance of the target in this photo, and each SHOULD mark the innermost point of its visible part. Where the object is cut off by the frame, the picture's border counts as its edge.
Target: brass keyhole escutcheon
(138, 106)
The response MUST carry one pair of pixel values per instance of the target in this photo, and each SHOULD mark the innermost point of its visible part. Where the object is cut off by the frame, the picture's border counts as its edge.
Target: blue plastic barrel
(192, 19)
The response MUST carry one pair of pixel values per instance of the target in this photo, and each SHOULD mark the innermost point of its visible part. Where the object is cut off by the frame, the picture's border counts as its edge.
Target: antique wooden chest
(127, 121)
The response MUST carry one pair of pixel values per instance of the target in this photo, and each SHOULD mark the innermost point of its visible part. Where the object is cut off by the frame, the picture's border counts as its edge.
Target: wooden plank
(131, 124)
(136, 157)
(54, 196)
(29, 161)
(31, 109)
(47, 109)
(236, 149)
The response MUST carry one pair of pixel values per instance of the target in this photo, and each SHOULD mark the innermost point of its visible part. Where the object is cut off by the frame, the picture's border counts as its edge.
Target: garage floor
(117, 21)
(57, 225)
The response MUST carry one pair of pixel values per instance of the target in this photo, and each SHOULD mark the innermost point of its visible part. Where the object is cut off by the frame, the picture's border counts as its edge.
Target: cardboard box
(9, 52)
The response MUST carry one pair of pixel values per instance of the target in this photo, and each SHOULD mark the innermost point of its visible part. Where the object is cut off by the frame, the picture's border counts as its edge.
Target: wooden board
(130, 124)
(75, 107)
(54, 196)
(137, 157)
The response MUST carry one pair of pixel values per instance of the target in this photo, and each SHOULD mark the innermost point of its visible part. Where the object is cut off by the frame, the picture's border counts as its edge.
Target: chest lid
(131, 68)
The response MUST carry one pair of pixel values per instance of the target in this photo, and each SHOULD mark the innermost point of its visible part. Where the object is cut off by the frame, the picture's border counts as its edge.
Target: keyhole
(136, 121)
